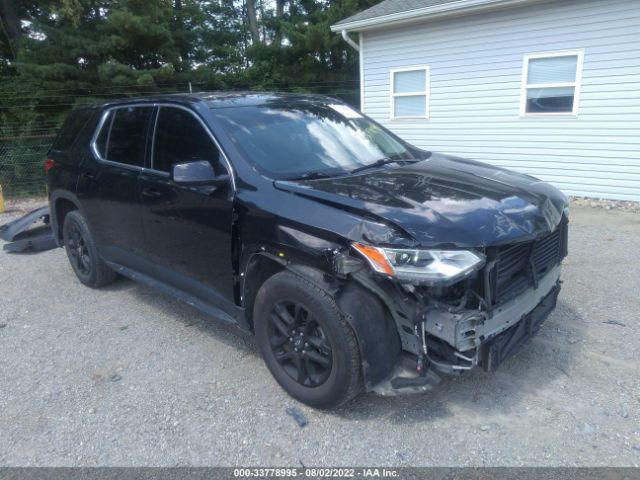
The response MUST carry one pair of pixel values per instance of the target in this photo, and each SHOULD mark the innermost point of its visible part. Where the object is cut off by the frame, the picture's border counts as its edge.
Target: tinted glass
(550, 100)
(71, 128)
(126, 142)
(291, 140)
(181, 138)
(103, 136)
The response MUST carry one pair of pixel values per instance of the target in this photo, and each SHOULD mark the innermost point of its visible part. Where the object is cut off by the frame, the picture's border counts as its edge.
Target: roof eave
(411, 16)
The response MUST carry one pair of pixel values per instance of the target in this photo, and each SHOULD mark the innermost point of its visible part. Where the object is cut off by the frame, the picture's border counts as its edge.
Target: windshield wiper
(383, 161)
(315, 174)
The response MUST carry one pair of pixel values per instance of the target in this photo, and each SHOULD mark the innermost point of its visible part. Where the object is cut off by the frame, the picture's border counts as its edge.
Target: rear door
(108, 187)
(188, 229)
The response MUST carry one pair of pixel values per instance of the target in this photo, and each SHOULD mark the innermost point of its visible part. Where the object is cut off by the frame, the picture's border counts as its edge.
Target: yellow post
(1, 200)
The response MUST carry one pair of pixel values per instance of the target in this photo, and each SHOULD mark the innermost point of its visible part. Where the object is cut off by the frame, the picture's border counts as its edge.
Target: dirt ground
(127, 376)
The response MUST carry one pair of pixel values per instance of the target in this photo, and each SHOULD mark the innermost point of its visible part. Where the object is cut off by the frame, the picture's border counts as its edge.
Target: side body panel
(111, 200)
(188, 234)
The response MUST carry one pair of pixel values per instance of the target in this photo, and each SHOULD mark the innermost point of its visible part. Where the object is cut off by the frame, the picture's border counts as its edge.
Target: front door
(187, 229)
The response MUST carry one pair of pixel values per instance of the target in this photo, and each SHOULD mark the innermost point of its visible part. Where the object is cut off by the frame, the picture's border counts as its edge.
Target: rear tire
(90, 269)
(306, 342)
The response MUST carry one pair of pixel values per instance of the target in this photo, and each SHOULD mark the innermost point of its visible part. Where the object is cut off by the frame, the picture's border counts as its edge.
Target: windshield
(291, 141)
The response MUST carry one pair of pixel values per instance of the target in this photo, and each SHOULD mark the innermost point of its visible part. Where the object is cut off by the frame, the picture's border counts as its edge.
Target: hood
(444, 201)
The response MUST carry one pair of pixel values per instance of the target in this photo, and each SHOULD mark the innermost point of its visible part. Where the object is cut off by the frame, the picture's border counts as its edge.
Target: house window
(410, 93)
(551, 83)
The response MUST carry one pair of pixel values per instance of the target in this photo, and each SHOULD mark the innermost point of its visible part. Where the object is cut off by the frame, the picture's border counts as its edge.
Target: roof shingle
(389, 7)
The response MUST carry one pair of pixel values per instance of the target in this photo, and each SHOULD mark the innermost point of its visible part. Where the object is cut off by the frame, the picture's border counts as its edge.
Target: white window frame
(577, 84)
(426, 93)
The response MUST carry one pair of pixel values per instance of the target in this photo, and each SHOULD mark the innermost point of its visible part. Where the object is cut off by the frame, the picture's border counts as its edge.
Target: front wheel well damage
(366, 313)
(375, 329)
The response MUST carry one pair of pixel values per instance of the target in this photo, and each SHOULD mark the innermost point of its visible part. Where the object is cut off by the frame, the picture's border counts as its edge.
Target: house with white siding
(550, 88)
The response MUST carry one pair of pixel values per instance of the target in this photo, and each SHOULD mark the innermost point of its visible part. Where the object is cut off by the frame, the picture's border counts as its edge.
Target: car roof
(225, 99)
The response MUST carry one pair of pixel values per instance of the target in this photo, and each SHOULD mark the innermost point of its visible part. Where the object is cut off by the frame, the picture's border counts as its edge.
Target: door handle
(151, 193)
(89, 175)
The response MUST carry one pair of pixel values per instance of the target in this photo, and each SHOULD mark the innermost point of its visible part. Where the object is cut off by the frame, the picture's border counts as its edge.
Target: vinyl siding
(476, 65)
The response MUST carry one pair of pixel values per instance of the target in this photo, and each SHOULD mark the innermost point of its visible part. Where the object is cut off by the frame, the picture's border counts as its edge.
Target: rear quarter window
(71, 128)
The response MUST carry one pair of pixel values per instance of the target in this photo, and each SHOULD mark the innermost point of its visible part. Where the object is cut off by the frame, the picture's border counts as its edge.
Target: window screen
(180, 137)
(410, 93)
(553, 70)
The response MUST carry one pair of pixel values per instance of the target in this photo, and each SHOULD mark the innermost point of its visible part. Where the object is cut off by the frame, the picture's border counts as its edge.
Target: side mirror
(197, 173)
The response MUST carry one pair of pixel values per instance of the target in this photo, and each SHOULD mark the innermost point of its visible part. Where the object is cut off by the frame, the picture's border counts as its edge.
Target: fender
(53, 218)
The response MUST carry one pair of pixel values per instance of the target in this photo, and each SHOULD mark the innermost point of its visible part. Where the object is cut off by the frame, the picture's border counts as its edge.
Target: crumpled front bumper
(469, 338)
(495, 351)
(497, 339)
(471, 328)
(486, 339)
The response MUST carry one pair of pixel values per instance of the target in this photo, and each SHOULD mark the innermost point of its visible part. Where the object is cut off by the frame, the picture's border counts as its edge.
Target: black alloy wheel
(306, 342)
(299, 343)
(83, 256)
(78, 251)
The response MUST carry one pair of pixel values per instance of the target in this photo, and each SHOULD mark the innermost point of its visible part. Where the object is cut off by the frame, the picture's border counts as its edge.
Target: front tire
(90, 269)
(306, 342)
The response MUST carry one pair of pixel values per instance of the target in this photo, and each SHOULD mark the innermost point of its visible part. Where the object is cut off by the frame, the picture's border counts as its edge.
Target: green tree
(298, 51)
(59, 53)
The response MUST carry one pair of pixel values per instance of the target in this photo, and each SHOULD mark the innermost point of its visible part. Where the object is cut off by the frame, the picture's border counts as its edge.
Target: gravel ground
(623, 205)
(127, 376)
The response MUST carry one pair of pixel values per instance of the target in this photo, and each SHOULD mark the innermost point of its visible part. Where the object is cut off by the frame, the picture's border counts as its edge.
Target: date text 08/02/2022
(316, 472)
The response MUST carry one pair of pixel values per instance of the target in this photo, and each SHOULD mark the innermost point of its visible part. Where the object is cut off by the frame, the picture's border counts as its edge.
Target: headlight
(428, 267)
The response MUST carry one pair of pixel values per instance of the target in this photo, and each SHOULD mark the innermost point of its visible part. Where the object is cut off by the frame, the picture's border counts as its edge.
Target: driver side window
(179, 138)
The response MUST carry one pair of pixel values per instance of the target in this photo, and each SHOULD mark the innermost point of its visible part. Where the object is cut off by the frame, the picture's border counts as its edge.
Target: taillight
(48, 165)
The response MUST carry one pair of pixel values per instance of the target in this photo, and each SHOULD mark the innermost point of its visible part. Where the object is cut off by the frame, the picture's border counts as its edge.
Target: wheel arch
(366, 313)
(61, 203)
(375, 329)
(259, 268)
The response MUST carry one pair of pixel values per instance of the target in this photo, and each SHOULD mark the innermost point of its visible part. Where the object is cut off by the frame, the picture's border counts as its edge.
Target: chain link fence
(23, 150)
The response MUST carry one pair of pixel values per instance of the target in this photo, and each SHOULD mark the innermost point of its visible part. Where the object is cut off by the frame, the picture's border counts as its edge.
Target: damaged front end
(480, 318)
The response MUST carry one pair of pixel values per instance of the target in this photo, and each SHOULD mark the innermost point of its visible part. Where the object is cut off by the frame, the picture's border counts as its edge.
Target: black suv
(358, 260)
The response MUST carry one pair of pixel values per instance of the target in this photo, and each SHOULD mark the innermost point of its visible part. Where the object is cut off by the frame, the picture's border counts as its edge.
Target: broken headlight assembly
(425, 267)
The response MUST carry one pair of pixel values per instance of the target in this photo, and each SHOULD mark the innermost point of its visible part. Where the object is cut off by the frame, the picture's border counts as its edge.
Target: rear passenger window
(123, 135)
(71, 128)
(180, 137)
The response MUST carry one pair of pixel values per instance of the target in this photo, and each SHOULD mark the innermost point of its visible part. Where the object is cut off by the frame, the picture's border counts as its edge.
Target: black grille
(520, 266)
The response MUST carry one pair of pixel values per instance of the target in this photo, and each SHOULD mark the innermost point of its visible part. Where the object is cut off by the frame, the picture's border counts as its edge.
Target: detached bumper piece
(405, 380)
(23, 235)
(507, 343)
